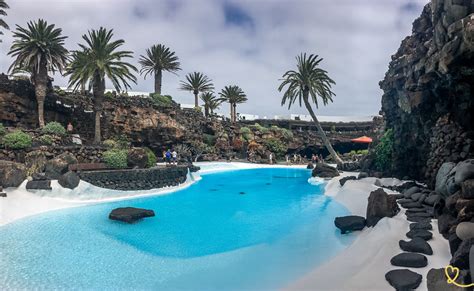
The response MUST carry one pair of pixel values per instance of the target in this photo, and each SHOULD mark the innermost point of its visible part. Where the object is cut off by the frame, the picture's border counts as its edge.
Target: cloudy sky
(249, 43)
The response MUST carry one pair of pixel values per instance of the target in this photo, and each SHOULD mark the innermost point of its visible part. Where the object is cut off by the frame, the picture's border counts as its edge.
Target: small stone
(3, 194)
(410, 260)
(467, 189)
(130, 214)
(421, 225)
(416, 196)
(460, 258)
(362, 175)
(39, 185)
(403, 279)
(411, 205)
(343, 181)
(416, 245)
(421, 233)
(432, 199)
(411, 191)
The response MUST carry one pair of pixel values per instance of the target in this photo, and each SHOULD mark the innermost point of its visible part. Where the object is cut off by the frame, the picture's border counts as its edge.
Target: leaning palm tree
(3, 24)
(211, 102)
(197, 82)
(233, 95)
(306, 84)
(158, 58)
(103, 61)
(39, 49)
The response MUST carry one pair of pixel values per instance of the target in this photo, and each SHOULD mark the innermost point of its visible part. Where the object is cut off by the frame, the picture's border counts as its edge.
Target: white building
(244, 116)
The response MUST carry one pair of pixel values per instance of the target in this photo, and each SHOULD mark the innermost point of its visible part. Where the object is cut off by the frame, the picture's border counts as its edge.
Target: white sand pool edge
(363, 264)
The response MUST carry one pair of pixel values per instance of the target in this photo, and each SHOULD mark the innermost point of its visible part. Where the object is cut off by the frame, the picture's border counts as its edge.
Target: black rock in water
(403, 279)
(130, 214)
(410, 260)
(421, 233)
(416, 245)
(350, 223)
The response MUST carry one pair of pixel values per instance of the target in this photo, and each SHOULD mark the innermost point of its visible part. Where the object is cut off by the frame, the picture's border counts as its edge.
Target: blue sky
(249, 43)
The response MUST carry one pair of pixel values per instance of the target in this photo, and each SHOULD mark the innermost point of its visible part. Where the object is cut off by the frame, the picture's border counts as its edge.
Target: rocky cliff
(428, 91)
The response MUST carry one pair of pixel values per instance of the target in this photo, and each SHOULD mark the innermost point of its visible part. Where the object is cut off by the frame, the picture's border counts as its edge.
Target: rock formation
(428, 91)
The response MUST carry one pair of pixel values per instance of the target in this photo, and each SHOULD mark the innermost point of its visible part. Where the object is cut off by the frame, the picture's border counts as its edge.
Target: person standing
(270, 158)
(175, 157)
(69, 127)
(168, 156)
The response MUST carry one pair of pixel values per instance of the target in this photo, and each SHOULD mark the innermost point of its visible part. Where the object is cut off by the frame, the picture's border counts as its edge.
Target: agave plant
(3, 7)
(211, 102)
(158, 58)
(307, 85)
(233, 95)
(38, 49)
(98, 59)
(197, 82)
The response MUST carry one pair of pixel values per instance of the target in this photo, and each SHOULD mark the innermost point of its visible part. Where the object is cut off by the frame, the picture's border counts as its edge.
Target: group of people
(299, 159)
(170, 157)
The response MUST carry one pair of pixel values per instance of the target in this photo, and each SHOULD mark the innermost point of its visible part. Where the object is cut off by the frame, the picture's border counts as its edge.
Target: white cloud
(355, 38)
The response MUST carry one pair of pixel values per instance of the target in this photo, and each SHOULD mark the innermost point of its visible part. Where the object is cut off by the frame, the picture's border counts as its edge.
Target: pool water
(253, 229)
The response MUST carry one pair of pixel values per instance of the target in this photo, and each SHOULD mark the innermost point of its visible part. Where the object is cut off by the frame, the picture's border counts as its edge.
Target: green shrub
(17, 140)
(110, 143)
(122, 142)
(3, 130)
(54, 128)
(116, 158)
(276, 146)
(46, 139)
(209, 139)
(383, 151)
(260, 128)
(151, 158)
(246, 133)
(161, 100)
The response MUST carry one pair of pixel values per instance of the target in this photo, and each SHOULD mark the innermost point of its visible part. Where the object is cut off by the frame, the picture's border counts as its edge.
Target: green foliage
(276, 146)
(46, 139)
(246, 133)
(161, 100)
(383, 151)
(17, 140)
(209, 139)
(3, 130)
(151, 158)
(260, 128)
(54, 128)
(286, 133)
(116, 158)
(110, 143)
(358, 152)
(59, 91)
(109, 95)
(122, 142)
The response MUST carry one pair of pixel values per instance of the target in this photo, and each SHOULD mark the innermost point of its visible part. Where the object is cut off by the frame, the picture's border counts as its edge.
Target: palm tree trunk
(206, 110)
(158, 78)
(196, 99)
(231, 113)
(99, 89)
(235, 111)
(41, 87)
(326, 142)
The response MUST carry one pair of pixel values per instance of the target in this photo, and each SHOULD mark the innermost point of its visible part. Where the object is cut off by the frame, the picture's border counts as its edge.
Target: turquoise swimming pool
(244, 229)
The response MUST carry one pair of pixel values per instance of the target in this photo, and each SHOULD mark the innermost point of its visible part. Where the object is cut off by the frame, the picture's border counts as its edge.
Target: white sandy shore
(362, 266)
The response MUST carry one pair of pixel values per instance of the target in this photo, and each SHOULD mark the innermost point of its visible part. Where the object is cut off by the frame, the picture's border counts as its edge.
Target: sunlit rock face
(428, 97)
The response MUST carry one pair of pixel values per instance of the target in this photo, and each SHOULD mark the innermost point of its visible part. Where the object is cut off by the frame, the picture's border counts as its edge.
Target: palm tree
(211, 102)
(158, 58)
(233, 95)
(197, 82)
(103, 61)
(39, 49)
(79, 60)
(309, 81)
(3, 24)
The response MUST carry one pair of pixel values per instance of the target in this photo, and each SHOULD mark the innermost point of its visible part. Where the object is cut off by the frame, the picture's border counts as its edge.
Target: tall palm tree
(103, 61)
(306, 84)
(211, 102)
(75, 67)
(197, 82)
(233, 95)
(3, 24)
(158, 58)
(39, 49)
